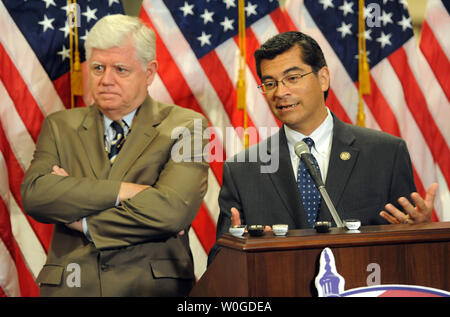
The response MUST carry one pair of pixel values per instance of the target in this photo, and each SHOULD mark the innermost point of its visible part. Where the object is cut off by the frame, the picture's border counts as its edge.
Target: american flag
(34, 82)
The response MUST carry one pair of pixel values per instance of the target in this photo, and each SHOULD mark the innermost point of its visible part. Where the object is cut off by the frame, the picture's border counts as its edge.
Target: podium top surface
(340, 237)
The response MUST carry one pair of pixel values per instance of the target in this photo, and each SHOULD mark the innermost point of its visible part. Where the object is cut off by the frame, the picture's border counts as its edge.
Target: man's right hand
(129, 190)
(236, 219)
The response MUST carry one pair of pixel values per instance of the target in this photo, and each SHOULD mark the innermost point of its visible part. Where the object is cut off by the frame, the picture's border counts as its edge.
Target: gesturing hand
(236, 219)
(418, 214)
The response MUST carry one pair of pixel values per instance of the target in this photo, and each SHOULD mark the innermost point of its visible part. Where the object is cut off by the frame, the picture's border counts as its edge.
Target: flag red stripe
(282, 21)
(27, 284)
(436, 57)
(224, 88)
(334, 104)
(205, 228)
(15, 177)
(18, 91)
(381, 110)
(417, 104)
(62, 87)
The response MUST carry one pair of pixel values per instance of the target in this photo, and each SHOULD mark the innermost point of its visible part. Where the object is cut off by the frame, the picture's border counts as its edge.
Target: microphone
(302, 151)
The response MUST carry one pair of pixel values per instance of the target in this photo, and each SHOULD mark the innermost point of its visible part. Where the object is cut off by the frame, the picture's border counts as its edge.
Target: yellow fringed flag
(363, 66)
(76, 76)
(241, 83)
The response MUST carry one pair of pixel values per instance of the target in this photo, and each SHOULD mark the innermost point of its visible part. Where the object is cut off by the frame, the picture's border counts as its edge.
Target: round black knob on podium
(322, 226)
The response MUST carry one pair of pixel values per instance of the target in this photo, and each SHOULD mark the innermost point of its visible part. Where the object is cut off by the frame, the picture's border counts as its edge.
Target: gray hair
(116, 30)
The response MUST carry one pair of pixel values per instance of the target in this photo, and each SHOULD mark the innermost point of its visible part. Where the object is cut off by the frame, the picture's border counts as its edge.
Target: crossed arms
(52, 193)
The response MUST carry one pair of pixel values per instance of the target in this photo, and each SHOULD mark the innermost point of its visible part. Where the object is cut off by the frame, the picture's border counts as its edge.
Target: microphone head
(301, 148)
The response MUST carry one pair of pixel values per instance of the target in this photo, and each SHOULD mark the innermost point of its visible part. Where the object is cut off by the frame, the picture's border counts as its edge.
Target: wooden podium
(287, 266)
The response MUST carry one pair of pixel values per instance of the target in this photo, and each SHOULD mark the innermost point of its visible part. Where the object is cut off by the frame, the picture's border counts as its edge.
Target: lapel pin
(345, 156)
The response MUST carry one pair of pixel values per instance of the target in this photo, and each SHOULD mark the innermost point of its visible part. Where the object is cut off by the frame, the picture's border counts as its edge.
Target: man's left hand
(418, 214)
(56, 170)
(76, 225)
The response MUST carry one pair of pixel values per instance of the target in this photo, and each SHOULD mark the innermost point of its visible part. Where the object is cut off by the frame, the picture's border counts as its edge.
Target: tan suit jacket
(135, 248)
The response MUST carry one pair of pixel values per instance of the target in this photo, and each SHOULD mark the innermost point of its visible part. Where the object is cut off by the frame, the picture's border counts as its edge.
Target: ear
(324, 78)
(151, 70)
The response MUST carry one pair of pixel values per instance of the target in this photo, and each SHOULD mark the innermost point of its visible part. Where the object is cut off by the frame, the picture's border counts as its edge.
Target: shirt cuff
(85, 229)
(85, 226)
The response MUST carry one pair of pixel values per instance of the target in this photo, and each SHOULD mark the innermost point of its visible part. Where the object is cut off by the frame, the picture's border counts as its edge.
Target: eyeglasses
(289, 81)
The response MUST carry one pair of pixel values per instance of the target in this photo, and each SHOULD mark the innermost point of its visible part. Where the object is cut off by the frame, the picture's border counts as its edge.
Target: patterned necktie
(308, 191)
(117, 141)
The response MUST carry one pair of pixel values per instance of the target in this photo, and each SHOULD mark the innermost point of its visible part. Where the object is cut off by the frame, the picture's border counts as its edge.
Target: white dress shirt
(321, 150)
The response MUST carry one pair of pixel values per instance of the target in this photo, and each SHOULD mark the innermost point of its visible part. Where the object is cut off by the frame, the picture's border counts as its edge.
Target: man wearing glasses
(365, 171)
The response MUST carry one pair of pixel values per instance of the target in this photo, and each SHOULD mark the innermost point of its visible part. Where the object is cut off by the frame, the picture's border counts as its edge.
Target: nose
(108, 77)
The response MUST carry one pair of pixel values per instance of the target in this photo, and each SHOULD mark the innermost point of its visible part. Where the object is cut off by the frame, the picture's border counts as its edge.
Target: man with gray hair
(104, 176)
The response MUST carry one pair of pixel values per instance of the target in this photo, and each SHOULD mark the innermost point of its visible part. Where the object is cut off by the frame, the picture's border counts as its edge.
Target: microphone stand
(330, 206)
(315, 174)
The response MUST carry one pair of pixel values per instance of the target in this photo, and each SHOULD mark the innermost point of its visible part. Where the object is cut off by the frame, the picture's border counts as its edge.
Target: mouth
(287, 107)
(108, 95)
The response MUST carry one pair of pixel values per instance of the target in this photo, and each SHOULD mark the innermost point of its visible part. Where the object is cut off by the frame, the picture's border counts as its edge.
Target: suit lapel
(142, 133)
(343, 157)
(91, 135)
(284, 182)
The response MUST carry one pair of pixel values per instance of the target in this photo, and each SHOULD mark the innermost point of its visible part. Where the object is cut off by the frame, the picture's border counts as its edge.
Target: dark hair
(311, 52)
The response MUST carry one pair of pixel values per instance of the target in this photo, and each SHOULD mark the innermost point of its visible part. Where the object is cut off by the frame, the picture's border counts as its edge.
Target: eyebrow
(122, 65)
(114, 65)
(285, 72)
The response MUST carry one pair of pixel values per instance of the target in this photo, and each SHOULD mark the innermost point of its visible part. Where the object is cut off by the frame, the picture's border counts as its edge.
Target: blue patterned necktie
(117, 141)
(308, 191)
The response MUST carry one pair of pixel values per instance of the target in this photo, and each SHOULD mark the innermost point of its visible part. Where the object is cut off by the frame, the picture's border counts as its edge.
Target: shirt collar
(319, 136)
(128, 119)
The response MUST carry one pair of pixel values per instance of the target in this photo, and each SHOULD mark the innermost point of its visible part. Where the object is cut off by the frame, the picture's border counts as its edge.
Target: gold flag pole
(241, 84)
(363, 66)
(76, 77)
